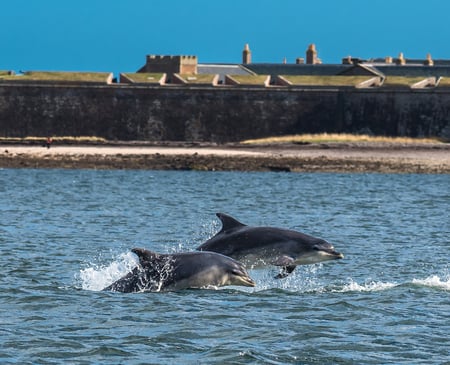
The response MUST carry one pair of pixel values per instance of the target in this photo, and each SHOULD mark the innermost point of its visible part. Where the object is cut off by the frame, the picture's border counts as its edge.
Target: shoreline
(324, 157)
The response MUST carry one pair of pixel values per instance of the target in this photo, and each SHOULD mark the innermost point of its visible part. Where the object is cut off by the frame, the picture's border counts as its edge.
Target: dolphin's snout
(248, 281)
(244, 278)
(336, 254)
(331, 251)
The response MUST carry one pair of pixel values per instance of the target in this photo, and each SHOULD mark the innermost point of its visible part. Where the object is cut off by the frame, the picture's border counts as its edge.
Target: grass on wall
(57, 76)
(144, 77)
(320, 80)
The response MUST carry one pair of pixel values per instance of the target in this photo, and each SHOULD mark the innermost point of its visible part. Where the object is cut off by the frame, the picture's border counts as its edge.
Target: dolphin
(166, 272)
(264, 246)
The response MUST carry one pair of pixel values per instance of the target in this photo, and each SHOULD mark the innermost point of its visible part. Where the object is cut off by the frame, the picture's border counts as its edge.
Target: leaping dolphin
(161, 272)
(264, 246)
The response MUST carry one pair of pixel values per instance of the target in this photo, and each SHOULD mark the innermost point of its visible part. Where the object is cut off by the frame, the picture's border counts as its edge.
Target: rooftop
(159, 70)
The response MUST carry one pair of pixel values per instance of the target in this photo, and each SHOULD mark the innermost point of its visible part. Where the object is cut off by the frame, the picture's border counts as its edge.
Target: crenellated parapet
(170, 64)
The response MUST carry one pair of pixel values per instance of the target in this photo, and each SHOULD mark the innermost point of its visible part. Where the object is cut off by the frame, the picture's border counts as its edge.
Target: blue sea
(66, 234)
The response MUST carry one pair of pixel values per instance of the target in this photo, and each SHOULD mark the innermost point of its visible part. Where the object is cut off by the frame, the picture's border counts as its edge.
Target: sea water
(66, 234)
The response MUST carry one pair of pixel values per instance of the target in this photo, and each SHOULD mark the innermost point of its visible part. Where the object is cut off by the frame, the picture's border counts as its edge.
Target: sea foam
(369, 286)
(97, 277)
(434, 281)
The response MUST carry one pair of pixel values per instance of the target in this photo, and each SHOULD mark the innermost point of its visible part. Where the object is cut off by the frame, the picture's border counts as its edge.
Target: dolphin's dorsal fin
(144, 255)
(228, 222)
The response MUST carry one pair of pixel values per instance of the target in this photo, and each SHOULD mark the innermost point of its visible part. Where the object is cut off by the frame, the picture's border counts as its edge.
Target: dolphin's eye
(315, 248)
(235, 272)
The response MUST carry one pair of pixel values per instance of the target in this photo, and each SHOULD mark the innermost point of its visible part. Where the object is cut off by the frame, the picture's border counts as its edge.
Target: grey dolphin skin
(264, 246)
(166, 272)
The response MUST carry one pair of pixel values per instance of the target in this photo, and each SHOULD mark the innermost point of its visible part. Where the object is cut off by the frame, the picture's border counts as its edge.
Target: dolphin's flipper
(284, 261)
(285, 271)
(287, 263)
(228, 222)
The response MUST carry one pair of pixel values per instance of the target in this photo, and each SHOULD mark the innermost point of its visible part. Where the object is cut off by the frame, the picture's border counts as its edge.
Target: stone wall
(218, 114)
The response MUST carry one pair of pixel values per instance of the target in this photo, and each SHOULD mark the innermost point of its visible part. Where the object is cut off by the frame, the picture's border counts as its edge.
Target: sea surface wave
(67, 234)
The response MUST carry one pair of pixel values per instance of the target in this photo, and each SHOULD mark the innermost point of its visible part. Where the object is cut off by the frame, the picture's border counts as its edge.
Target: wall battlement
(169, 58)
(170, 64)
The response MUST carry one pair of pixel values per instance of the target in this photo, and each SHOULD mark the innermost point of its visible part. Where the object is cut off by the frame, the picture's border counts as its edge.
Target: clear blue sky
(115, 35)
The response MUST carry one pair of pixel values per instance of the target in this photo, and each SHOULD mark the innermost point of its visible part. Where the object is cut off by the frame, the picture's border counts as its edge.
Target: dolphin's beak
(247, 281)
(335, 254)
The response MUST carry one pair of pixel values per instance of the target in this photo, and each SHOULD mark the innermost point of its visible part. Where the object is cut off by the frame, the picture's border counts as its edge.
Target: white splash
(301, 280)
(306, 279)
(434, 281)
(370, 286)
(98, 277)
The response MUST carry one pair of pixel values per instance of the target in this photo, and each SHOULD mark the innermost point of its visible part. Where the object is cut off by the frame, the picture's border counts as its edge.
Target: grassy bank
(293, 139)
(61, 140)
(339, 138)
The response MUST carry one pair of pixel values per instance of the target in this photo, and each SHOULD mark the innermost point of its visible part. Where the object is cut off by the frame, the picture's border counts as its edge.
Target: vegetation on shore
(296, 139)
(339, 138)
(60, 139)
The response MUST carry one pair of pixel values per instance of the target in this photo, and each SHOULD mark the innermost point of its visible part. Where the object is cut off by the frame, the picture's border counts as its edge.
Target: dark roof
(222, 69)
(366, 68)
(297, 69)
(411, 61)
(412, 70)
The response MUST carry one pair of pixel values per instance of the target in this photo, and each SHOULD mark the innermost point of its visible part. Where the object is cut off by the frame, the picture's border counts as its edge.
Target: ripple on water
(68, 234)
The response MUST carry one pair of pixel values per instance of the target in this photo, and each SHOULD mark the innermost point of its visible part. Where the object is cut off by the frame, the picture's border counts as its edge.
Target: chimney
(428, 61)
(311, 55)
(401, 59)
(246, 55)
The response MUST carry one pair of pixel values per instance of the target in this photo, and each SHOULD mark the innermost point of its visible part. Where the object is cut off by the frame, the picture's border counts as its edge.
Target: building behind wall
(186, 65)
(182, 100)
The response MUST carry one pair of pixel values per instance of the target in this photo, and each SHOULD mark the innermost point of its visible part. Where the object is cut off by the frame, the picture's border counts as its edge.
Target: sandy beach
(338, 157)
